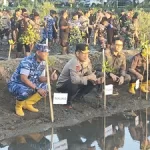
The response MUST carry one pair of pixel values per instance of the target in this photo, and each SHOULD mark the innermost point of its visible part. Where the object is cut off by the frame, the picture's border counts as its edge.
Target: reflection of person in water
(87, 135)
(138, 132)
(80, 137)
(30, 142)
(115, 141)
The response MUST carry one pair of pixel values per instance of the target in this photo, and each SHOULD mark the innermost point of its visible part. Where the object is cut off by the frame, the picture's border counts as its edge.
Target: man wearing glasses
(116, 65)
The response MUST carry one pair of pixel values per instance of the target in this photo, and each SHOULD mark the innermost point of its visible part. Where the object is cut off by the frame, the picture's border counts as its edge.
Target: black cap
(84, 48)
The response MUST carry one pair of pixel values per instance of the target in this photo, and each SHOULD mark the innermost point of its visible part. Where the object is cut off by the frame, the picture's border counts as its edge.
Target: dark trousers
(134, 78)
(20, 47)
(127, 79)
(74, 90)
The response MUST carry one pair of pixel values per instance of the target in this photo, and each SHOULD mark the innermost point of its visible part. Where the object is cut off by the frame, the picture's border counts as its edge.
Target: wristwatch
(36, 89)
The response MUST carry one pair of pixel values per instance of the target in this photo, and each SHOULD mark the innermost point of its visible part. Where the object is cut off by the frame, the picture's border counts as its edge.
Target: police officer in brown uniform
(138, 70)
(116, 60)
(77, 78)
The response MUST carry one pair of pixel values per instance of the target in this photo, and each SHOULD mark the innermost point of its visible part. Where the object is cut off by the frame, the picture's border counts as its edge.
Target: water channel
(118, 132)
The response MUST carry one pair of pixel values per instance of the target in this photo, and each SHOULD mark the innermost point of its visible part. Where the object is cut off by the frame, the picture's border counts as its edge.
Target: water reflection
(119, 132)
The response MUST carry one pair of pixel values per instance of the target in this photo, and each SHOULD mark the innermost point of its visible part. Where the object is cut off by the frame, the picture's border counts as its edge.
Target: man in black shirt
(92, 20)
(14, 23)
(64, 32)
(22, 28)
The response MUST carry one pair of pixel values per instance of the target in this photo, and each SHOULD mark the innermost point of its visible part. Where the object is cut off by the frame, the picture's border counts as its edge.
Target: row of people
(71, 28)
(29, 82)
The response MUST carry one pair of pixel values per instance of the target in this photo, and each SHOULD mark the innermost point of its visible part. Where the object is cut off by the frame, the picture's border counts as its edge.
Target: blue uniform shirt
(31, 68)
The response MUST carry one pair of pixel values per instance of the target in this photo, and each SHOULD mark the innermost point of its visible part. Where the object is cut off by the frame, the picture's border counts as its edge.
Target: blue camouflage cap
(42, 48)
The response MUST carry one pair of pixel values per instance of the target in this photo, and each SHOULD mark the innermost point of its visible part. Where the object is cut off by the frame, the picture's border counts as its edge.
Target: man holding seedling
(138, 70)
(77, 78)
(116, 60)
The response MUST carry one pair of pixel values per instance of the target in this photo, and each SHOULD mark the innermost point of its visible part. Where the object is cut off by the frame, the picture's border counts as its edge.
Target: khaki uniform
(139, 65)
(75, 71)
(117, 63)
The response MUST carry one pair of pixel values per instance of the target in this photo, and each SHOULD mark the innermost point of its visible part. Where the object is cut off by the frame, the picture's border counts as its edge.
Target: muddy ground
(12, 125)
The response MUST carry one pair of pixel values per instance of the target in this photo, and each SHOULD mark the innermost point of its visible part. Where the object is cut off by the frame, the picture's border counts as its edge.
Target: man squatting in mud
(118, 74)
(29, 82)
(77, 78)
(138, 70)
(117, 62)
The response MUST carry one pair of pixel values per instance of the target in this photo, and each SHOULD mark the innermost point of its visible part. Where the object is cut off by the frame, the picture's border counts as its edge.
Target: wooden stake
(147, 67)
(104, 133)
(9, 52)
(49, 92)
(147, 61)
(104, 79)
(44, 105)
(52, 133)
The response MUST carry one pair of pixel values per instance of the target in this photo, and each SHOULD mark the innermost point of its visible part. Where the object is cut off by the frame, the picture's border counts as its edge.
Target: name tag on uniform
(60, 98)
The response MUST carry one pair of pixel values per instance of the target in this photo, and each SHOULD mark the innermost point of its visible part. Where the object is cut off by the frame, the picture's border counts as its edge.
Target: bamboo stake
(52, 133)
(104, 79)
(9, 52)
(104, 133)
(147, 61)
(49, 92)
(44, 105)
(146, 132)
(147, 67)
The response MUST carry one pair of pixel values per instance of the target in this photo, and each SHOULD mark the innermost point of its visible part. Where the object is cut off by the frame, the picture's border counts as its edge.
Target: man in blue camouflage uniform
(49, 26)
(28, 82)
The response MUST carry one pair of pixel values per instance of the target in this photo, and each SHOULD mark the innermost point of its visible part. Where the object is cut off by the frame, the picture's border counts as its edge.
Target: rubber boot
(143, 87)
(18, 108)
(132, 88)
(30, 101)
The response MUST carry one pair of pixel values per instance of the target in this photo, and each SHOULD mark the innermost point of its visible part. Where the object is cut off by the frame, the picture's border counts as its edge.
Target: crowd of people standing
(69, 28)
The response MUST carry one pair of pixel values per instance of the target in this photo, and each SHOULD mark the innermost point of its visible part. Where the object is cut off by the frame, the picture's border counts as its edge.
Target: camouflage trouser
(22, 92)
(128, 41)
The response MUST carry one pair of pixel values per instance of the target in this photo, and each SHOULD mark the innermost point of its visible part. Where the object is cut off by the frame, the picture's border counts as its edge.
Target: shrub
(45, 9)
(144, 25)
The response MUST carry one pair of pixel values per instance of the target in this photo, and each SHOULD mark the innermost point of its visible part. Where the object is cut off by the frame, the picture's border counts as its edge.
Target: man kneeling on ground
(116, 65)
(77, 78)
(29, 83)
(138, 70)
